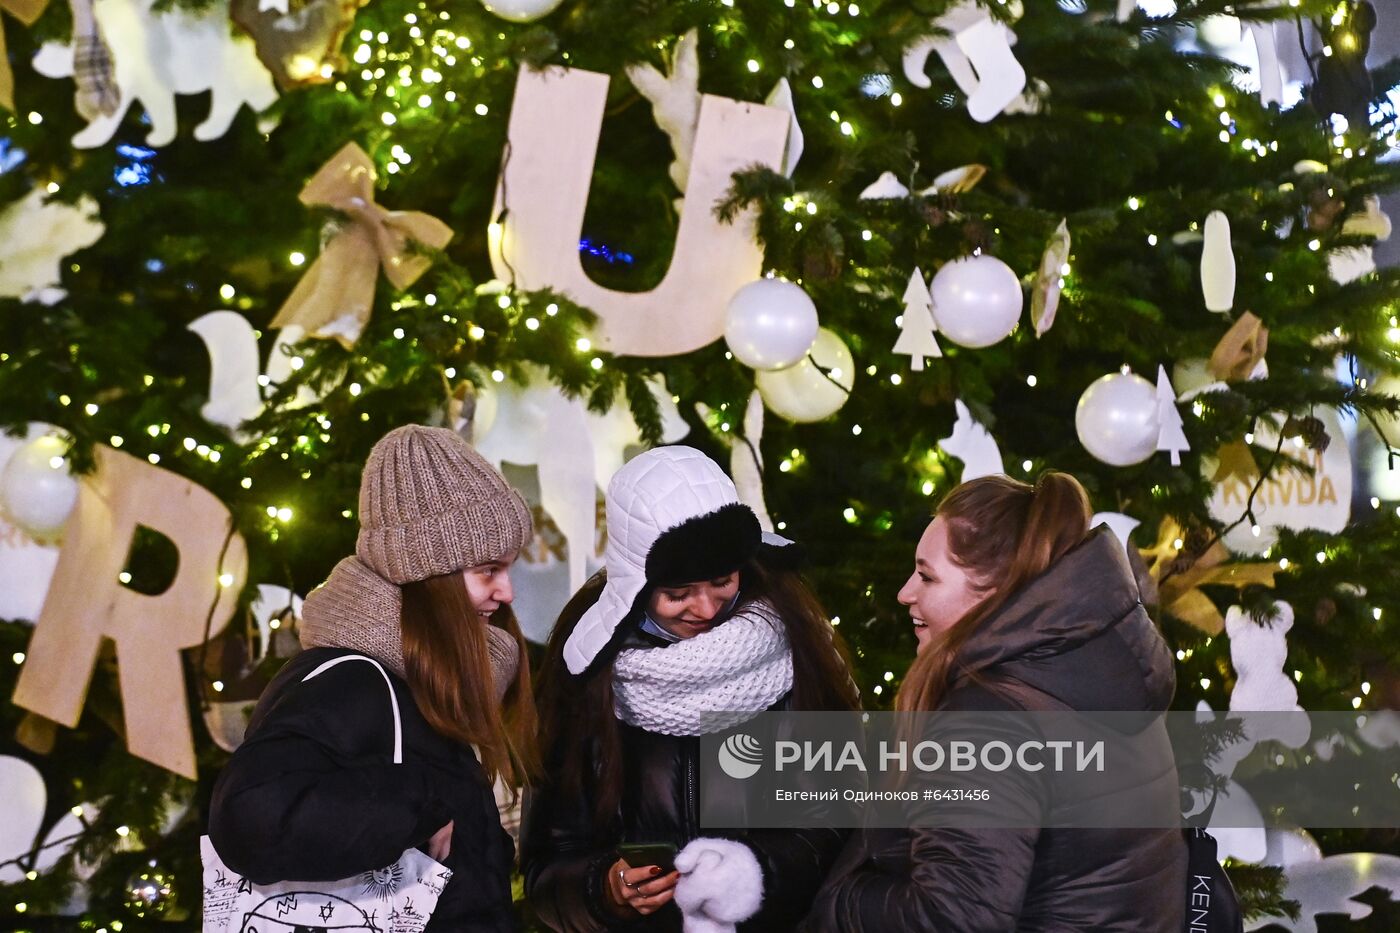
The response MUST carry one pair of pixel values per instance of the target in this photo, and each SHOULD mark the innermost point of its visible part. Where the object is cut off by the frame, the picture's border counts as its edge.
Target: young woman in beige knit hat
(412, 696)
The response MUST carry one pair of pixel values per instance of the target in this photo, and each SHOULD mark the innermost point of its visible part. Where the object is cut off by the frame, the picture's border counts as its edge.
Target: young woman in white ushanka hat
(694, 625)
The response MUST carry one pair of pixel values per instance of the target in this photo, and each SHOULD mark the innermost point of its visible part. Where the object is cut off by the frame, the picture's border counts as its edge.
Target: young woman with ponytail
(314, 792)
(1018, 605)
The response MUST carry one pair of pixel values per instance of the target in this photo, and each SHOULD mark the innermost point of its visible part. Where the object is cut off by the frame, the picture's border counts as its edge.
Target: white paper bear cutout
(158, 55)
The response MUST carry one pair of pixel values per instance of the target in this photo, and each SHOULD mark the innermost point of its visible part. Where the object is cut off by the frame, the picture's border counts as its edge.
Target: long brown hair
(1005, 533)
(447, 659)
(580, 734)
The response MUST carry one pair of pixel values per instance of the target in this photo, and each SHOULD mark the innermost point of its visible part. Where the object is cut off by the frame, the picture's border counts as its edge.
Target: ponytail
(1005, 533)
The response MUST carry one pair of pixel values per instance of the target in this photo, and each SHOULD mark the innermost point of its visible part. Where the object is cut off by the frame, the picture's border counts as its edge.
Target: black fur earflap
(704, 547)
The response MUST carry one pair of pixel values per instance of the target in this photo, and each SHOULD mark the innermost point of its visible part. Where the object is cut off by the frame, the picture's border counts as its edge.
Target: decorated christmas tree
(242, 240)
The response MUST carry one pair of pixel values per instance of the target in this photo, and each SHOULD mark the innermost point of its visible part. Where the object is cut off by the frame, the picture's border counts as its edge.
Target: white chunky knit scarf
(707, 683)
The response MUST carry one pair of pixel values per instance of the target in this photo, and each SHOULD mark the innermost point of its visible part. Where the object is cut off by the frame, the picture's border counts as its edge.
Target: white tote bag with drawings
(397, 898)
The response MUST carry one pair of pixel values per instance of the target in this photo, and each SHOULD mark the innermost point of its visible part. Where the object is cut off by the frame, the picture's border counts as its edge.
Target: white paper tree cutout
(1218, 264)
(35, 236)
(156, 55)
(917, 328)
(1170, 436)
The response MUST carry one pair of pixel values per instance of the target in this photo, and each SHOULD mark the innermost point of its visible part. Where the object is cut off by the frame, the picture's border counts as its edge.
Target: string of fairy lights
(408, 75)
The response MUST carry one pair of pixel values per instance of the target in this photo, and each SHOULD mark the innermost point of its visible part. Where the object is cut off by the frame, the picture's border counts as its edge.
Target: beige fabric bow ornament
(1179, 577)
(26, 11)
(335, 296)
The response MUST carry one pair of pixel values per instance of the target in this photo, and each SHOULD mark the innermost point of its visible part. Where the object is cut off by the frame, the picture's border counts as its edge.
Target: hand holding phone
(645, 854)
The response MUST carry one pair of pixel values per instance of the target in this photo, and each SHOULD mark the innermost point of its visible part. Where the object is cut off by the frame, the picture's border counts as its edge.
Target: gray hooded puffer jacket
(1077, 637)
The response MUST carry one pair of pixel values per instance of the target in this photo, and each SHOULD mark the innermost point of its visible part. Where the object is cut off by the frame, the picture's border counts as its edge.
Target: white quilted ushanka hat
(673, 517)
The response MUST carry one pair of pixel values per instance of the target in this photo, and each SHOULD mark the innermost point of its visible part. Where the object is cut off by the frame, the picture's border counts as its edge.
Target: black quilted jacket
(1078, 636)
(564, 854)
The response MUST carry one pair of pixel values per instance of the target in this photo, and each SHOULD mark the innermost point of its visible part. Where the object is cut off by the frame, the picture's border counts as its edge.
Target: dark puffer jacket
(564, 854)
(313, 793)
(1076, 637)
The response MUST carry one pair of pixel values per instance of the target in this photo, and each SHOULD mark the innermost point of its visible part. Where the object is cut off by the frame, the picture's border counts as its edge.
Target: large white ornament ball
(771, 324)
(802, 393)
(36, 490)
(976, 301)
(1117, 419)
(521, 11)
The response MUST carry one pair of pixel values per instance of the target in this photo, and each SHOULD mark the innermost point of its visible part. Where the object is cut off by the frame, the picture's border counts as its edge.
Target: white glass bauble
(1116, 419)
(803, 392)
(771, 324)
(976, 301)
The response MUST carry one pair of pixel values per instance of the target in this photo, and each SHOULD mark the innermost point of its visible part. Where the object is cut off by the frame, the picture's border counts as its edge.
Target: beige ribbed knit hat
(430, 505)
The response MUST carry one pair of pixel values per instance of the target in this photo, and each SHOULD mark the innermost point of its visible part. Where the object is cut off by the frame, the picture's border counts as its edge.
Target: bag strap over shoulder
(393, 697)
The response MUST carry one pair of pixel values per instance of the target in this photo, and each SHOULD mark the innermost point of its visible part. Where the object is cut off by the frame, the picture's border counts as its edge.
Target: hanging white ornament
(814, 388)
(1121, 525)
(1389, 424)
(575, 450)
(675, 100)
(521, 11)
(1170, 436)
(158, 54)
(1330, 885)
(37, 489)
(1269, 70)
(976, 50)
(770, 324)
(24, 795)
(976, 301)
(973, 444)
(1349, 263)
(746, 456)
(1116, 419)
(226, 718)
(1259, 654)
(1290, 498)
(917, 329)
(885, 188)
(235, 383)
(781, 98)
(36, 234)
(26, 565)
(956, 180)
(1218, 264)
(1049, 279)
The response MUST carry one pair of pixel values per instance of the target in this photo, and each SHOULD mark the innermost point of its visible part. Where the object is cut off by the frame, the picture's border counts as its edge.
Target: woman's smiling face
(687, 610)
(939, 592)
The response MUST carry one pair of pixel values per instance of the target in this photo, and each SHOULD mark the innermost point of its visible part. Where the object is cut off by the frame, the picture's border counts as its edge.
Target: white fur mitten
(721, 885)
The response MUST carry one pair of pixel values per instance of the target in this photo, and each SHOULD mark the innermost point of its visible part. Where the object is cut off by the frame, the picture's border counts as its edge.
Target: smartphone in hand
(642, 854)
